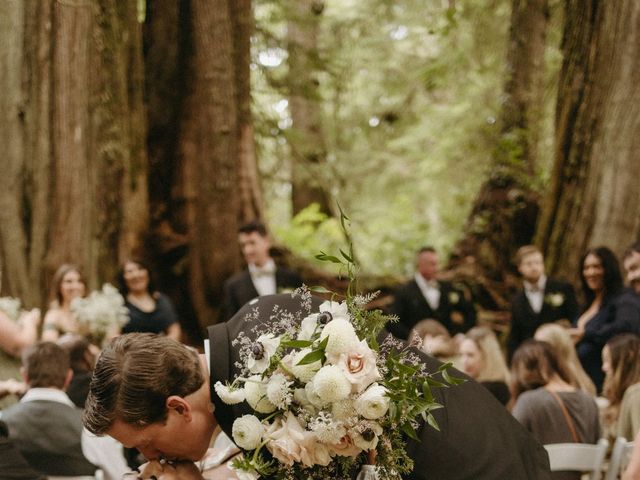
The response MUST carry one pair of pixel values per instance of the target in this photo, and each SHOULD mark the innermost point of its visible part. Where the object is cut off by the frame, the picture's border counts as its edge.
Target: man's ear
(180, 406)
(23, 374)
(67, 379)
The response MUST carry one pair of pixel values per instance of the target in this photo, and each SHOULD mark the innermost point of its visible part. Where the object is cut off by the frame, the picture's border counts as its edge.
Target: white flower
(342, 338)
(244, 474)
(336, 309)
(312, 396)
(289, 442)
(359, 366)
(308, 326)
(327, 429)
(228, 395)
(11, 307)
(304, 373)
(344, 409)
(247, 432)
(365, 436)
(454, 297)
(330, 384)
(256, 395)
(554, 299)
(373, 403)
(278, 391)
(262, 351)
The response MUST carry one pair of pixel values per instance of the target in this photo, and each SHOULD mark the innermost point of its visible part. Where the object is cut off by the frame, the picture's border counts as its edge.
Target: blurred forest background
(157, 127)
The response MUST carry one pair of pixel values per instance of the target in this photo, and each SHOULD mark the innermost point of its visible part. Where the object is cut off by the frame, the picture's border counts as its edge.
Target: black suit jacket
(478, 438)
(524, 321)
(411, 307)
(239, 289)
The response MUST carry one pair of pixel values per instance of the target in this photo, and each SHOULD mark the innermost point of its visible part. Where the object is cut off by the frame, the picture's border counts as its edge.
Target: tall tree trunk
(305, 137)
(504, 213)
(72, 189)
(597, 161)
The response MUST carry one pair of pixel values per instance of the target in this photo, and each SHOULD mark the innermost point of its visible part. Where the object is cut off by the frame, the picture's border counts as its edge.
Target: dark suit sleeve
(400, 329)
(469, 312)
(623, 317)
(515, 332)
(230, 304)
(571, 309)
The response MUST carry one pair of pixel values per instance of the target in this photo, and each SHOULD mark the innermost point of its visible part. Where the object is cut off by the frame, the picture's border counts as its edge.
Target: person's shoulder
(554, 283)
(237, 277)
(632, 393)
(628, 296)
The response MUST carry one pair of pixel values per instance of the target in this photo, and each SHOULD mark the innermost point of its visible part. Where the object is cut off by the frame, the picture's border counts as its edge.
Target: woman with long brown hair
(67, 285)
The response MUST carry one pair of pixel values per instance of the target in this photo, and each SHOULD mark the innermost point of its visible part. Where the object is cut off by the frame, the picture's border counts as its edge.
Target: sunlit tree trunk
(75, 185)
(595, 192)
(306, 137)
(504, 213)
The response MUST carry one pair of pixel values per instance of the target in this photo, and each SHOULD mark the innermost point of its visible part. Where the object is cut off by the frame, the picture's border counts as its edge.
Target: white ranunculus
(312, 396)
(278, 391)
(373, 403)
(228, 395)
(359, 366)
(270, 344)
(308, 326)
(330, 384)
(342, 338)
(304, 373)
(247, 432)
(256, 395)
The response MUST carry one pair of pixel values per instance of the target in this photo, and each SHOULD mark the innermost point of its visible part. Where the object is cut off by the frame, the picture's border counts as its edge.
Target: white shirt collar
(268, 267)
(542, 283)
(424, 283)
(48, 394)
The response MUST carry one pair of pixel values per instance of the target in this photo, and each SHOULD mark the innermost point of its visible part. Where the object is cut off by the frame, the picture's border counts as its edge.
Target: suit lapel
(219, 371)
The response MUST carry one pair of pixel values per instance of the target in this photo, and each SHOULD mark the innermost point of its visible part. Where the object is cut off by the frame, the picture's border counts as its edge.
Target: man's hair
(254, 226)
(427, 248)
(46, 365)
(524, 251)
(133, 378)
(633, 248)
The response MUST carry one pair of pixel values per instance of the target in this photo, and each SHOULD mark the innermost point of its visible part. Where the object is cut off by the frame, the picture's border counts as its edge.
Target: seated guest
(540, 300)
(12, 465)
(46, 426)
(482, 360)
(427, 297)
(607, 311)
(67, 285)
(558, 337)
(547, 404)
(632, 472)
(434, 340)
(621, 365)
(82, 361)
(149, 311)
(262, 276)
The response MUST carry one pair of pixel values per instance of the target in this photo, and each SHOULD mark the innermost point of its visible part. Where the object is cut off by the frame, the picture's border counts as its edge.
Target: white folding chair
(619, 458)
(578, 457)
(99, 475)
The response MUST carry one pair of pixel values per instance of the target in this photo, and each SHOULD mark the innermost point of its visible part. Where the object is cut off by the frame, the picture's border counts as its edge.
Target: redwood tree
(595, 191)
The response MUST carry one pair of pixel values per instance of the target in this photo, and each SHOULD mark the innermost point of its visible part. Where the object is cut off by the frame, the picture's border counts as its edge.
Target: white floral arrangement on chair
(327, 399)
(101, 313)
(12, 307)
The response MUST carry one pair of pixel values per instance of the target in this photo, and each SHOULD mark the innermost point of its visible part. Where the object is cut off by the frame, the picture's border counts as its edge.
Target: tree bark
(597, 163)
(72, 189)
(504, 214)
(305, 137)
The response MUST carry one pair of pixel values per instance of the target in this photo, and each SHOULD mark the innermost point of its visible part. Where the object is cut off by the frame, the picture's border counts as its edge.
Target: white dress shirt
(535, 293)
(264, 277)
(430, 290)
(104, 452)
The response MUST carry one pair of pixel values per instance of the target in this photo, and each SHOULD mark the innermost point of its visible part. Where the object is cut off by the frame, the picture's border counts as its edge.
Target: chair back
(99, 475)
(620, 456)
(578, 457)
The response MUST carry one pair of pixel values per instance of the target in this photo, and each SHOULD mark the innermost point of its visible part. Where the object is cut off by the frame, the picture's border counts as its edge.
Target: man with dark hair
(46, 427)
(540, 300)
(428, 297)
(152, 393)
(631, 262)
(262, 276)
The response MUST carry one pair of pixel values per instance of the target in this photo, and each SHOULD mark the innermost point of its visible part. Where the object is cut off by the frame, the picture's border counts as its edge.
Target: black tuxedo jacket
(559, 303)
(478, 438)
(239, 289)
(411, 307)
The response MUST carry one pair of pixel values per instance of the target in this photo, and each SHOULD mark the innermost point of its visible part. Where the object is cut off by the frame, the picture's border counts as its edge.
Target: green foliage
(411, 98)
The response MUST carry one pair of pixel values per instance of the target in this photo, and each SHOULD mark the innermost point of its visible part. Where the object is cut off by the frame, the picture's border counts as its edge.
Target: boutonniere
(454, 297)
(554, 299)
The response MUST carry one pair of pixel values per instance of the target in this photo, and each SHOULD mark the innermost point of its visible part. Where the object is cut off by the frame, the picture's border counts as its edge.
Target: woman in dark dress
(608, 311)
(149, 310)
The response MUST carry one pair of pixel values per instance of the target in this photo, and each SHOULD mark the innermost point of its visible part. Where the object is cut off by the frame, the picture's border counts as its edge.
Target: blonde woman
(482, 359)
(67, 284)
(558, 337)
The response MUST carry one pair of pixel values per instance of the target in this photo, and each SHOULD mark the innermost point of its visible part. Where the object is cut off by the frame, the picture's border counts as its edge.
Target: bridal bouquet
(327, 399)
(11, 307)
(101, 313)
